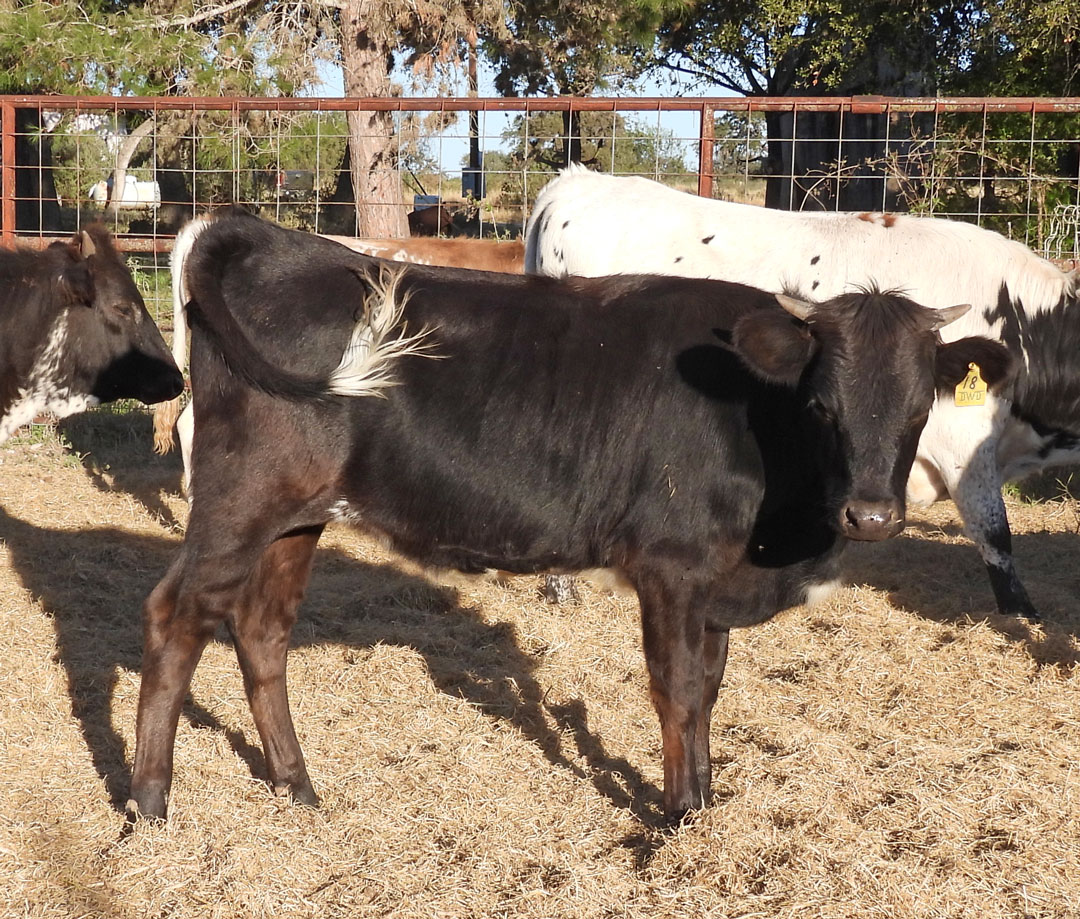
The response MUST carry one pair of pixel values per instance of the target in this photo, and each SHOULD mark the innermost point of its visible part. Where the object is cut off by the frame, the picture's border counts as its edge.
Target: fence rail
(149, 164)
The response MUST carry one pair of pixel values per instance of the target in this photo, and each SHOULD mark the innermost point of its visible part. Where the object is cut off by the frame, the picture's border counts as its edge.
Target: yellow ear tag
(973, 390)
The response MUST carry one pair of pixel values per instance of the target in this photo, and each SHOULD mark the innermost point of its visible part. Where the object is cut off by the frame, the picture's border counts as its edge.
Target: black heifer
(535, 425)
(74, 332)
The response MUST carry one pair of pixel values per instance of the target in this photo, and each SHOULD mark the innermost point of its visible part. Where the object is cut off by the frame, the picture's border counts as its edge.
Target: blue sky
(451, 148)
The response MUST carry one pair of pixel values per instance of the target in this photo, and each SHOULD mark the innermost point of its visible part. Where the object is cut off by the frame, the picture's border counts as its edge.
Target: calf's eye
(821, 411)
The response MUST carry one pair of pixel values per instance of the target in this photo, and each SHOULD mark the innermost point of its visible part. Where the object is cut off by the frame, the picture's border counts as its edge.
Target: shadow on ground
(115, 449)
(92, 582)
(946, 582)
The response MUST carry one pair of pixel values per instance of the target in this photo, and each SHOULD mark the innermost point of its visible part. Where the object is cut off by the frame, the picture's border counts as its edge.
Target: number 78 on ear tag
(972, 391)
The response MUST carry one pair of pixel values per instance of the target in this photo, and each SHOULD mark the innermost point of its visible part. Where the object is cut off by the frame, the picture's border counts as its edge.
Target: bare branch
(210, 13)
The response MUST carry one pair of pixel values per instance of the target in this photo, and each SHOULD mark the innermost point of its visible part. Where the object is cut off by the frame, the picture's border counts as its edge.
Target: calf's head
(113, 349)
(868, 366)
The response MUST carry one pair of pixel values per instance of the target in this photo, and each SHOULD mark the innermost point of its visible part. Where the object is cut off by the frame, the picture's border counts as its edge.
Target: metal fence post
(7, 173)
(706, 136)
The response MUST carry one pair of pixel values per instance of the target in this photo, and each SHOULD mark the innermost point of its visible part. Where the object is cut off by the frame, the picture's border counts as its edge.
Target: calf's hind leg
(257, 596)
(177, 623)
(260, 625)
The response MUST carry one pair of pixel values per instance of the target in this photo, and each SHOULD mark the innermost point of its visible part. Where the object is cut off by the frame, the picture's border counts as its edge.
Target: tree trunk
(337, 211)
(123, 159)
(825, 161)
(380, 209)
(173, 169)
(572, 136)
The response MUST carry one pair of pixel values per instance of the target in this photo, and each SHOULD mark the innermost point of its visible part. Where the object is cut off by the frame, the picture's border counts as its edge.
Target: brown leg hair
(674, 651)
(177, 624)
(260, 625)
(256, 591)
(715, 659)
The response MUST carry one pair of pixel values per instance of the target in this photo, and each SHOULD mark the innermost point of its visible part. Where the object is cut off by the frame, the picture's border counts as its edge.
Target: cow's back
(590, 224)
(606, 408)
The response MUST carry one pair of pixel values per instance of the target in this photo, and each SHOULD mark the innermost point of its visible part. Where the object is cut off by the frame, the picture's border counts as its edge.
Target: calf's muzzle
(872, 520)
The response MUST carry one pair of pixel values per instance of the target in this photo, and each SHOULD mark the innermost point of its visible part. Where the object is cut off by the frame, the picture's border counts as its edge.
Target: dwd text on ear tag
(973, 390)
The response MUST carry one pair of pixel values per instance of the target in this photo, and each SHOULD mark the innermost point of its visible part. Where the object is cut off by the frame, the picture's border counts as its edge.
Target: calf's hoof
(299, 792)
(146, 806)
(679, 811)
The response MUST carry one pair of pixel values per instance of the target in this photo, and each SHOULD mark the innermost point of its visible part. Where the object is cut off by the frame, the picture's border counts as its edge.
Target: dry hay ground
(900, 752)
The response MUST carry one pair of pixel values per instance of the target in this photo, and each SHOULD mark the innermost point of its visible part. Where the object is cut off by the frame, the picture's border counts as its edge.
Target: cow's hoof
(146, 807)
(1029, 613)
(1021, 608)
(300, 793)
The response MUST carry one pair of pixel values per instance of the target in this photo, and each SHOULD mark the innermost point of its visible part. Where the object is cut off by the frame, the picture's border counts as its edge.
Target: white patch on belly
(819, 593)
(924, 485)
(342, 512)
(43, 392)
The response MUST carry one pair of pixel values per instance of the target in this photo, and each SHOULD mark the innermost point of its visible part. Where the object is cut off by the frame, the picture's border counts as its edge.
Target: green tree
(814, 48)
(248, 47)
(1020, 48)
(572, 47)
(891, 47)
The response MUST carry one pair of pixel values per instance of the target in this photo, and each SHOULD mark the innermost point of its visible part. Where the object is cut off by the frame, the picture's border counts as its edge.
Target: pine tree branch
(207, 14)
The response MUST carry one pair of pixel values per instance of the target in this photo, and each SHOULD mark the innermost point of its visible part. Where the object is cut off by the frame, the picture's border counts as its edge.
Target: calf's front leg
(673, 636)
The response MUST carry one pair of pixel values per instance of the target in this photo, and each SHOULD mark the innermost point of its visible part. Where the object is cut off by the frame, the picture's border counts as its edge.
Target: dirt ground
(900, 752)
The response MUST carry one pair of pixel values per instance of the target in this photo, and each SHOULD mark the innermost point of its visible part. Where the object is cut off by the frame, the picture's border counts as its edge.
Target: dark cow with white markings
(481, 254)
(74, 332)
(713, 447)
(589, 224)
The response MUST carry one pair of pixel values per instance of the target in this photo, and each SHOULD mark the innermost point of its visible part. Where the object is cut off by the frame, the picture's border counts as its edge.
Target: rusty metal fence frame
(908, 131)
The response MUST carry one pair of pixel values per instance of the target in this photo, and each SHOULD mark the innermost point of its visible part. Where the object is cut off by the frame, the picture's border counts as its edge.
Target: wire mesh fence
(474, 166)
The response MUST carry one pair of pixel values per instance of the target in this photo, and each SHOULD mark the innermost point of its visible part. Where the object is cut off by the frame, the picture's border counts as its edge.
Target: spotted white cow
(589, 224)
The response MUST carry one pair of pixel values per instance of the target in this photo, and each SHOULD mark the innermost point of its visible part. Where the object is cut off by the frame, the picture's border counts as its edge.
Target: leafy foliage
(535, 150)
(157, 47)
(814, 47)
(1021, 48)
(558, 47)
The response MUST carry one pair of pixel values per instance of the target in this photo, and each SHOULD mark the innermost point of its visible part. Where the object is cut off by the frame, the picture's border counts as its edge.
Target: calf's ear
(84, 244)
(996, 365)
(775, 346)
(75, 282)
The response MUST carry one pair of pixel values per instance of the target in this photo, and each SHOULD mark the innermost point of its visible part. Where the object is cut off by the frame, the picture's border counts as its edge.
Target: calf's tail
(166, 413)
(366, 367)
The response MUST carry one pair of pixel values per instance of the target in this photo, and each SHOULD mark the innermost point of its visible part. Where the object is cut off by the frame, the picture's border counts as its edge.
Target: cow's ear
(954, 360)
(775, 346)
(83, 244)
(75, 282)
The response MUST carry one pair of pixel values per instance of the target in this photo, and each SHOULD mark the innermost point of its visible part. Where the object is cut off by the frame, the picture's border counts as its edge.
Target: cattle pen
(1008, 164)
(901, 752)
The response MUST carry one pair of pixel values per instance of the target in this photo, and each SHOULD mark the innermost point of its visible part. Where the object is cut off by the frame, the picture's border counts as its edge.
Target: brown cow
(479, 254)
(430, 221)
